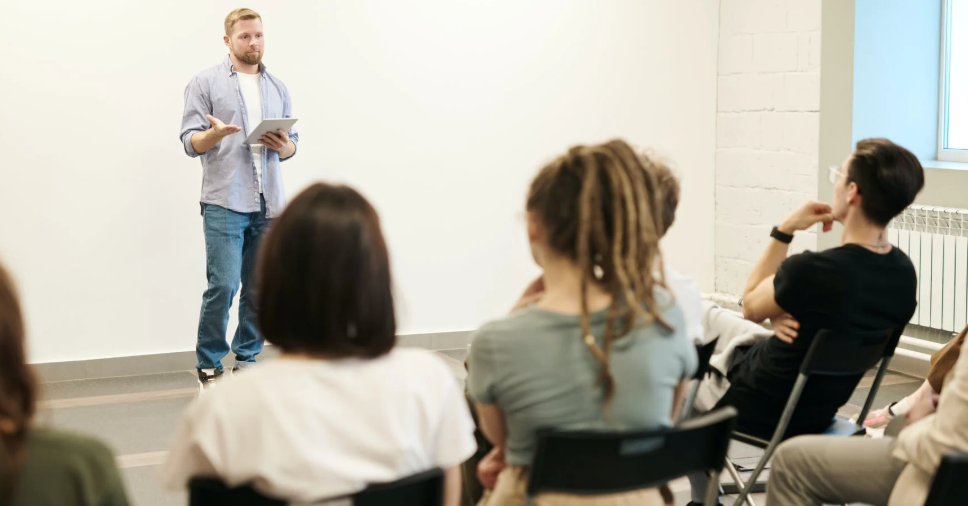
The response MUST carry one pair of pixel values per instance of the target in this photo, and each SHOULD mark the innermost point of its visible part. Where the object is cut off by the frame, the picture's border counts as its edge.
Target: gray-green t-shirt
(64, 469)
(535, 366)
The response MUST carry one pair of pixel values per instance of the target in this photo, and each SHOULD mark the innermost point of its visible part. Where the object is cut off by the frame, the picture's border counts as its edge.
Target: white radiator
(936, 239)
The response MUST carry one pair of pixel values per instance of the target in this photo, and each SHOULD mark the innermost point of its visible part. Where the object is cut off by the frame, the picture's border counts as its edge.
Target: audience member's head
(17, 384)
(879, 180)
(324, 278)
(600, 209)
(668, 188)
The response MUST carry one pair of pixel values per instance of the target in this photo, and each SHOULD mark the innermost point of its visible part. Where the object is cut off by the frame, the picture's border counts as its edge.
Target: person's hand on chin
(807, 216)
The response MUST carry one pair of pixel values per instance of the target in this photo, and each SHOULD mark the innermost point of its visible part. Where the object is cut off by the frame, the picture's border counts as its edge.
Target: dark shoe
(239, 366)
(207, 379)
(694, 503)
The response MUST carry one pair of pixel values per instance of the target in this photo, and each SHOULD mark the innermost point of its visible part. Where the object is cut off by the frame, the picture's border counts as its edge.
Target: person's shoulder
(901, 259)
(813, 263)
(812, 257)
(670, 311)
(509, 327)
(418, 359)
(428, 370)
(241, 382)
(679, 282)
(209, 73)
(851, 254)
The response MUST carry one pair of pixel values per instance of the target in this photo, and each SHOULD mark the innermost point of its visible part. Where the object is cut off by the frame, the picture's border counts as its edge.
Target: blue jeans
(231, 247)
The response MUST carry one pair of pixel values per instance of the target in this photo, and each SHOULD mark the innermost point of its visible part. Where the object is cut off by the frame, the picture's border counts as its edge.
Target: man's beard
(249, 58)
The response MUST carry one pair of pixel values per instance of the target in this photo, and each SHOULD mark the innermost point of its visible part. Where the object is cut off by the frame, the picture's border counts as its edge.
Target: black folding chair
(704, 352)
(950, 485)
(423, 489)
(202, 491)
(832, 353)
(592, 463)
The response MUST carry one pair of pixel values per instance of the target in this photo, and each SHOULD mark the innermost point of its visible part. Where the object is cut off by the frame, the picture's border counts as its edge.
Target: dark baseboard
(138, 365)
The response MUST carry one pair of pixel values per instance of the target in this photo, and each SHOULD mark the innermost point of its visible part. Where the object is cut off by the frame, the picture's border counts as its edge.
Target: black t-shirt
(849, 287)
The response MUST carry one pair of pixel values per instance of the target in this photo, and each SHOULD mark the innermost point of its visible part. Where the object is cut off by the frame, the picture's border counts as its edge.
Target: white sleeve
(454, 436)
(686, 291)
(186, 457)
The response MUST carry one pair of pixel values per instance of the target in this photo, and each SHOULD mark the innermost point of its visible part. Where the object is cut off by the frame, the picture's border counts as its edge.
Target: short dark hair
(888, 178)
(324, 277)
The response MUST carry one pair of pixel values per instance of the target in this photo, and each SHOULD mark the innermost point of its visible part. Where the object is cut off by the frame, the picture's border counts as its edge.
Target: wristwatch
(783, 237)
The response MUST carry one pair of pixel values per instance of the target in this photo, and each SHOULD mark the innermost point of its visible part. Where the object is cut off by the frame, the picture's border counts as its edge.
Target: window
(953, 131)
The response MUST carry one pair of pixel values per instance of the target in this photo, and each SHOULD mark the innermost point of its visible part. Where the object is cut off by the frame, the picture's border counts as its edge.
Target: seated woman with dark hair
(341, 408)
(38, 466)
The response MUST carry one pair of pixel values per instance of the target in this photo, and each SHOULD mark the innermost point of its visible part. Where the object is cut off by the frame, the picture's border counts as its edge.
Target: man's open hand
(221, 129)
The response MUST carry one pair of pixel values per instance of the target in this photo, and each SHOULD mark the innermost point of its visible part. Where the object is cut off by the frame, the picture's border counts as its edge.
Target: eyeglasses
(835, 174)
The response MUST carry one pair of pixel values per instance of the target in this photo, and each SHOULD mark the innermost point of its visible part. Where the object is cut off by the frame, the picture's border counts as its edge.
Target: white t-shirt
(306, 429)
(686, 291)
(251, 86)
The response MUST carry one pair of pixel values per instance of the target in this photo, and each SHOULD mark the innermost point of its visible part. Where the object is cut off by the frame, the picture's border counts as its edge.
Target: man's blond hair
(239, 15)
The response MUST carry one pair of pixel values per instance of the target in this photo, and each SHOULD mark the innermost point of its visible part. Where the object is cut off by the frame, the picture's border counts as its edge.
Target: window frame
(946, 154)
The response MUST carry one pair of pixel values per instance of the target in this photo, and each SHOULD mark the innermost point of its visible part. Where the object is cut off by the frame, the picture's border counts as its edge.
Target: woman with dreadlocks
(604, 347)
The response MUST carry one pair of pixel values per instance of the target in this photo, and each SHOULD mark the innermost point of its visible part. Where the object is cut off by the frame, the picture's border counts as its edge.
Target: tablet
(269, 125)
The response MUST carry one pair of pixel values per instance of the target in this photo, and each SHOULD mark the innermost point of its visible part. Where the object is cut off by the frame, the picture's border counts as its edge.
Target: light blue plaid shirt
(229, 177)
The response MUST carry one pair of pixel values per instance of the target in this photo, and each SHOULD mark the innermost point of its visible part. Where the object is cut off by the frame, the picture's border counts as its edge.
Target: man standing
(241, 185)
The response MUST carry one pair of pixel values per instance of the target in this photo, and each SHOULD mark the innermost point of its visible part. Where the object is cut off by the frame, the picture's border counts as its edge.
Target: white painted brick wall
(767, 127)
(775, 52)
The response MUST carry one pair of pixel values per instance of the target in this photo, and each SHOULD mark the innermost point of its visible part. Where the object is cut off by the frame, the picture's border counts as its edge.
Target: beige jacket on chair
(923, 444)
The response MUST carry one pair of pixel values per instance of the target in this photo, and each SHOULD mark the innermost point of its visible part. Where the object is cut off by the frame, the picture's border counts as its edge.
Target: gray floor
(137, 416)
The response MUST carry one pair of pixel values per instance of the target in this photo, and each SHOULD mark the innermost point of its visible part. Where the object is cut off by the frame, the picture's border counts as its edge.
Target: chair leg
(748, 487)
(731, 469)
(738, 480)
(781, 428)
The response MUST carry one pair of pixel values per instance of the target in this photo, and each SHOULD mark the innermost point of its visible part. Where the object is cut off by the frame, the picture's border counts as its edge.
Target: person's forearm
(452, 486)
(491, 421)
(769, 263)
(205, 140)
(776, 252)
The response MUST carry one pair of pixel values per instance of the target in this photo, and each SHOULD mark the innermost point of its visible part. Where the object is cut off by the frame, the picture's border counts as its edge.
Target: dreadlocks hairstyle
(602, 207)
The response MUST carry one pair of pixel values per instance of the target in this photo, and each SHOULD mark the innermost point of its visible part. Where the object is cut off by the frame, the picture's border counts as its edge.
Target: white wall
(440, 111)
(768, 127)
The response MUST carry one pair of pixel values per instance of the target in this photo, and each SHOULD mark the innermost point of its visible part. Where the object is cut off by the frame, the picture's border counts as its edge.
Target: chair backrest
(949, 485)
(705, 352)
(848, 352)
(587, 462)
(839, 353)
(204, 491)
(423, 489)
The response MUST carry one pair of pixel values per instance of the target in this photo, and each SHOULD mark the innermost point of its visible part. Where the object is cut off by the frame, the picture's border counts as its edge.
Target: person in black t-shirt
(864, 284)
